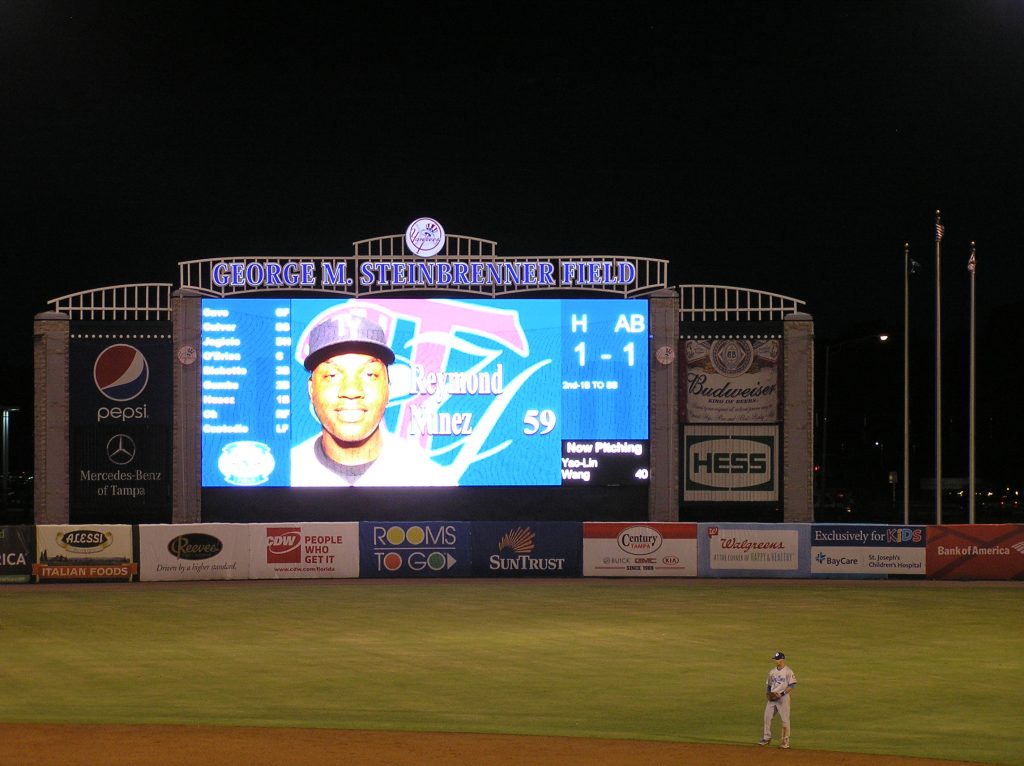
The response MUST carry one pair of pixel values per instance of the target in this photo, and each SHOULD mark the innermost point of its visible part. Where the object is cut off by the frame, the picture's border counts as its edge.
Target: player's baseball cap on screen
(346, 333)
(778, 656)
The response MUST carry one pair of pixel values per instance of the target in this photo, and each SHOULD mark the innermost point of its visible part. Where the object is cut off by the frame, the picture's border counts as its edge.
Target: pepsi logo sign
(120, 372)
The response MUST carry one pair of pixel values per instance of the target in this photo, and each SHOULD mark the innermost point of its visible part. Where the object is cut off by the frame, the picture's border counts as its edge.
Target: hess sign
(731, 466)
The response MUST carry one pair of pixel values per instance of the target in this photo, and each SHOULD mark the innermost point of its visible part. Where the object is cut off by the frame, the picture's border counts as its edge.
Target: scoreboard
(496, 392)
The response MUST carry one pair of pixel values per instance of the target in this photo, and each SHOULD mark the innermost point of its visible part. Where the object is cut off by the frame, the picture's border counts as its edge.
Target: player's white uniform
(781, 681)
(400, 464)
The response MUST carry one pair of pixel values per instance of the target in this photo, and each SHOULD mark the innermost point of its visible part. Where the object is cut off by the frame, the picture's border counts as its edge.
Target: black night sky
(788, 147)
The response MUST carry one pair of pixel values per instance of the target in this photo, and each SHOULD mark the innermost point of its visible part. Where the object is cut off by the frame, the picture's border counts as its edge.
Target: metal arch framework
(651, 273)
(455, 246)
(149, 301)
(723, 303)
(698, 303)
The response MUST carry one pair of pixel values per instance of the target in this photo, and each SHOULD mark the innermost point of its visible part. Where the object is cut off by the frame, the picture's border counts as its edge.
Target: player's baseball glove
(774, 696)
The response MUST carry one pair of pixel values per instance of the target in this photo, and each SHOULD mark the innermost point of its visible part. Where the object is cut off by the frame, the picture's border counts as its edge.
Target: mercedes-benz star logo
(121, 449)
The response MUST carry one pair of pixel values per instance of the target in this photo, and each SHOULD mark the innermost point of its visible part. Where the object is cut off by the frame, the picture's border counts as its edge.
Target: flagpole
(906, 383)
(971, 266)
(939, 231)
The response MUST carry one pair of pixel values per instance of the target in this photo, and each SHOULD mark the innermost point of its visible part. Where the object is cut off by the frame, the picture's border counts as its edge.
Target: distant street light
(881, 338)
(6, 445)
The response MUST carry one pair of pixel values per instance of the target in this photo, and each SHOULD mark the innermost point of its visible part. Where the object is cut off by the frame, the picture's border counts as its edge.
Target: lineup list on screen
(246, 389)
(495, 392)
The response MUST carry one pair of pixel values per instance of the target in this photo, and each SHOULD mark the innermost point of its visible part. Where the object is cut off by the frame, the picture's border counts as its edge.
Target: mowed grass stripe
(920, 669)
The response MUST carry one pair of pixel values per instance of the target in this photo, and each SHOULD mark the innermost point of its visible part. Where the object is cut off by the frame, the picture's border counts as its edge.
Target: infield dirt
(83, 745)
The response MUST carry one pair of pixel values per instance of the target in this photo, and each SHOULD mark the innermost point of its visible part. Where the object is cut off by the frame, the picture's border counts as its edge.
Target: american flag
(939, 231)
(971, 262)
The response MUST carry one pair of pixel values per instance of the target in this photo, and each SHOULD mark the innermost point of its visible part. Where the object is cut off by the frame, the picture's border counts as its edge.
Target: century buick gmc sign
(731, 463)
(626, 549)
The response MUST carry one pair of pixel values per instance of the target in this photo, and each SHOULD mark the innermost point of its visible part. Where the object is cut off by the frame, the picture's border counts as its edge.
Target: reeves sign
(193, 552)
(731, 463)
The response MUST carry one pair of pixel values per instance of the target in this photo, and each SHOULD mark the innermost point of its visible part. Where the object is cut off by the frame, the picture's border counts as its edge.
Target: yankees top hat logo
(121, 372)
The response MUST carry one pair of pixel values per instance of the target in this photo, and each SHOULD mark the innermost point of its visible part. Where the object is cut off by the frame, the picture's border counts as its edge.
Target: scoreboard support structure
(187, 459)
(798, 418)
(663, 492)
(57, 481)
(51, 341)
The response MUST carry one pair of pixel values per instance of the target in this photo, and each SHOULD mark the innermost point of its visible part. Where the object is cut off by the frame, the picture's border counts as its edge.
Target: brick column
(51, 333)
(798, 418)
(663, 497)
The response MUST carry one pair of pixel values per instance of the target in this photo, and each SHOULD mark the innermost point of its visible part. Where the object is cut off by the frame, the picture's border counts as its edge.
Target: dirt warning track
(85, 745)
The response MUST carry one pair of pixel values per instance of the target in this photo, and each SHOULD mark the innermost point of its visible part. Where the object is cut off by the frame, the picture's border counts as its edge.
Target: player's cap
(346, 333)
(778, 656)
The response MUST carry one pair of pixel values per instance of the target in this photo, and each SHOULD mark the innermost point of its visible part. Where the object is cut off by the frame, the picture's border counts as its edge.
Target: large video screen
(424, 392)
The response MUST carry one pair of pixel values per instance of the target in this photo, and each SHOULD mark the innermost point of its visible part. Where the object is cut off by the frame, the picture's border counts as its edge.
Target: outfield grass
(922, 669)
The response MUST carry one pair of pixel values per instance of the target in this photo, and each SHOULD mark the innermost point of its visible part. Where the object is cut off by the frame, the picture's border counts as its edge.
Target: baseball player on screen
(781, 681)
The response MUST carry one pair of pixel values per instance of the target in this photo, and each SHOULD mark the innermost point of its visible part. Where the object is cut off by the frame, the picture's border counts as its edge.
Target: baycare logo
(836, 561)
(84, 540)
(195, 546)
(640, 541)
(284, 545)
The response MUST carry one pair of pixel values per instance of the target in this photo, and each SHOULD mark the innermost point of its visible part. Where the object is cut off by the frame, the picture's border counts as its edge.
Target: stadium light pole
(910, 267)
(971, 267)
(881, 338)
(907, 266)
(6, 446)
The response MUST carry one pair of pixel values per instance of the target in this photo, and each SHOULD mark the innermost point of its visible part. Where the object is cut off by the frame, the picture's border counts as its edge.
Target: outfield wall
(382, 549)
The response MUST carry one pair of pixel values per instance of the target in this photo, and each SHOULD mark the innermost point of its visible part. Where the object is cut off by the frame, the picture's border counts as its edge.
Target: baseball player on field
(781, 681)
